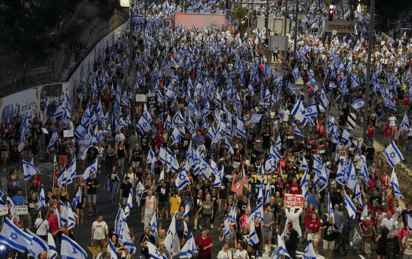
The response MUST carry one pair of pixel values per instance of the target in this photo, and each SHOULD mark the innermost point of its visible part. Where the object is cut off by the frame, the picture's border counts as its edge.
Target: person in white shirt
(225, 253)
(42, 226)
(240, 252)
(119, 137)
(388, 222)
(100, 231)
(294, 216)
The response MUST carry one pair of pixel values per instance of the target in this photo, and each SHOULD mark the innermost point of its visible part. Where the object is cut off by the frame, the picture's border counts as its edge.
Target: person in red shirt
(205, 243)
(35, 181)
(312, 231)
(371, 132)
(294, 187)
(55, 186)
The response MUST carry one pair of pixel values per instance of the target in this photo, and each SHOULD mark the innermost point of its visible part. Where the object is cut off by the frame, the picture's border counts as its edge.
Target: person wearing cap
(368, 238)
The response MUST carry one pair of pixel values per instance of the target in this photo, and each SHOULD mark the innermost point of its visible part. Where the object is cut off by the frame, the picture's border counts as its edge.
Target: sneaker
(200, 227)
(195, 228)
(90, 214)
(211, 225)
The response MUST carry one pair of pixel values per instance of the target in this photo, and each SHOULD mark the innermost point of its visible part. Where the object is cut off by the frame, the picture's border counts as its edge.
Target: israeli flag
(350, 207)
(172, 243)
(71, 171)
(77, 199)
(253, 237)
(345, 135)
(53, 140)
(256, 213)
(354, 80)
(70, 249)
(38, 245)
(298, 112)
(393, 154)
(295, 73)
(358, 104)
(230, 150)
(129, 203)
(330, 207)
(92, 168)
(154, 252)
(202, 167)
(324, 99)
(154, 225)
(309, 252)
(188, 248)
(364, 173)
(280, 249)
(240, 127)
(140, 191)
(112, 250)
(405, 123)
(52, 251)
(14, 237)
(304, 183)
(298, 131)
(311, 110)
(29, 169)
(341, 176)
(395, 185)
(144, 124)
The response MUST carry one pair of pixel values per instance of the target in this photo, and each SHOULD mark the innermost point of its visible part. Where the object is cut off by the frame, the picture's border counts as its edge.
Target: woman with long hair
(121, 156)
(79, 208)
(312, 231)
(112, 183)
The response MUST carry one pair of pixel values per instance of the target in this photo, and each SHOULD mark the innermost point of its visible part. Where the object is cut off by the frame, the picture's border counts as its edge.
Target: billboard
(338, 26)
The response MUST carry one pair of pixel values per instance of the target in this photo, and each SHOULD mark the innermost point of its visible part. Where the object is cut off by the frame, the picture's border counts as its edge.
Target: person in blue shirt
(197, 139)
(19, 199)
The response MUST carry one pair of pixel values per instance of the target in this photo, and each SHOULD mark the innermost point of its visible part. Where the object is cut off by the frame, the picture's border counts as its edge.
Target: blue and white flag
(92, 168)
(52, 251)
(182, 179)
(154, 225)
(42, 199)
(202, 167)
(140, 191)
(38, 245)
(256, 213)
(350, 207)
(298, 111)
(29, 169)
(354, 80)
(77, 198)
(253, 237)
(311, 110)
(172, 243)
(393, 154)
(154, 252)
(405, 124)
(304, 183)
(129, 205)
(309, 252)
(14, 237)
(53, 140)
(345, 135)
(295, 73)
(364, 173)
(188, 248)
(324, 99)
(395, 186)
(240, 127)
(71, 171)
(69, 249)
(298, 131)
(341, 176)
(358, 104)
(352, 178)
(229, 148)
(112, 250)
(330, 207)
(280, 249)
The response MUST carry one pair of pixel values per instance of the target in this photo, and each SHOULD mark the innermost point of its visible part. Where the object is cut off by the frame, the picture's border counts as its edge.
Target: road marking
(361, 256)
(91, 249)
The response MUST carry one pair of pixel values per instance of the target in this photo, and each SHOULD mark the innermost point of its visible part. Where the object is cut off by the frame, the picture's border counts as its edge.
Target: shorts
(124, 200)
(97, 243)
(368, 248)
(4, 154)
(135, 164)
(313, 237)
(163, 205)
(267, 232)
(328, 245)
(91, 198)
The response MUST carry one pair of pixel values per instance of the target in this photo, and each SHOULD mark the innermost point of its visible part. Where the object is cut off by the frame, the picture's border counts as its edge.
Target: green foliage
(240, 13)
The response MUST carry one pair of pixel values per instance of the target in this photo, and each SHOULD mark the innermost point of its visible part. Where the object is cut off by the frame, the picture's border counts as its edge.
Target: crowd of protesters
(212, 78)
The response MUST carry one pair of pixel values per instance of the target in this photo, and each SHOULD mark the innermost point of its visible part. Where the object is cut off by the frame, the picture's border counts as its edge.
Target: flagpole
(368, 70)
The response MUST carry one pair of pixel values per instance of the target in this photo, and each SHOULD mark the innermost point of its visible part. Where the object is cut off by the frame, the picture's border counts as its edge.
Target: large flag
(29, 169)
(112, 251)
(14, 237)
(69, 249)
(140, 191)
(393, 154)
(298, 111)
(309, 252)
(395, 185)
(350, 207)
(182, 179)
(53, 139)
(77, 198)
(129, 203)
(172, 243)
(52, 252)
(92, 168)
(37, 246)
(42, 199)
(358, 104)
(188, 248)
(154, 225)
(154, 253)
(280, 249)
(256, 213)
(253, 237)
